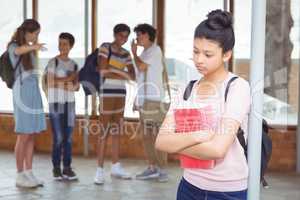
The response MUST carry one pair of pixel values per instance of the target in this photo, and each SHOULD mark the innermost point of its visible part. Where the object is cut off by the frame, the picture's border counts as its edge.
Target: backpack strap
(19, 61)
(20, 71)
(75, 67)
(109, 53)
(189, 87)
(240, 133)
(228, 85)
(55, 65)
(56, 62)
(188, 90)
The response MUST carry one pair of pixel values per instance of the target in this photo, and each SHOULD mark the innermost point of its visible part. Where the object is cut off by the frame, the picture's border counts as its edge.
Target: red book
(194, 119)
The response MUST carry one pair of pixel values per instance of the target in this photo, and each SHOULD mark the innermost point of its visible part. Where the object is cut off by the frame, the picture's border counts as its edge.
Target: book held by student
(190, 120)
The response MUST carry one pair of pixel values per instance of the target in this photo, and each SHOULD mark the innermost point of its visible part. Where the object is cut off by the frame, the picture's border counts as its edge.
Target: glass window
(295, 31)
(11, 18)
(282, 62)
(293, 89)
(182, 17)
(131, 13)
(242, 30)
(62, 16)
(282, 57)
(29, 8)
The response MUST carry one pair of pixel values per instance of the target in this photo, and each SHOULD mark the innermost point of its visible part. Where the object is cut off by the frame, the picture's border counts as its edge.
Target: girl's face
(208, 56)
(64, 46)
(32, 37)
(121, 38)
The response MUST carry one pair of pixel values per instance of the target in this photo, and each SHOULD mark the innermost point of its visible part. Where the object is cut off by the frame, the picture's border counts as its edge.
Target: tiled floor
(283, 186)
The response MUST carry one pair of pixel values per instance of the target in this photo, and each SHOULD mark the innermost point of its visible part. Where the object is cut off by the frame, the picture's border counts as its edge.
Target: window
(11, 18)
(242, 30)
(62, 16)
(281, 82)
(182, 17)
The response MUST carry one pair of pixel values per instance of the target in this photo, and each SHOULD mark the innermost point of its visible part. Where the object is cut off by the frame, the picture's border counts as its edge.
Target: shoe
(99, 177)
(69, 174)
(31, 176)
(163, 176)
(57, 175)
(265, 184)
(148, 174)
(117, 171)
(23, 181)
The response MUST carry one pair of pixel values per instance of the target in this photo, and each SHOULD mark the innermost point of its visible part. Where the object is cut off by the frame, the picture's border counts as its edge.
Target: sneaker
(31, 176)
(163, 176)
(148, 174)
(57, 175)
(118, 171)
(24, 182)
(99, 178)
(265, 184)
(69, 174)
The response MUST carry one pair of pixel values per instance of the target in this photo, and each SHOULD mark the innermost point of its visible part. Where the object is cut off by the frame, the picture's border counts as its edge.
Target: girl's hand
(38, 46)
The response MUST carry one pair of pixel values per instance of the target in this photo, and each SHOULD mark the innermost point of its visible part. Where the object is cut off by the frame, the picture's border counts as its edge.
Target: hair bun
(218, 19)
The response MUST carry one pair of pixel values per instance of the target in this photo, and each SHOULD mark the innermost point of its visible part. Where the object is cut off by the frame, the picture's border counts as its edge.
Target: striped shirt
(119, 61)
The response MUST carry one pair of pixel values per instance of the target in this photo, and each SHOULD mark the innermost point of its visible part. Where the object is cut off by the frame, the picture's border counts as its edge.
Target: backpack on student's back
(266, 148)
(45, 79)
(7, 71)
(89, 76)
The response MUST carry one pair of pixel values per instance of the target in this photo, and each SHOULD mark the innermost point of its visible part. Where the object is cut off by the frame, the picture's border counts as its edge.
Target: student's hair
(67, 36)
(121, 28)
(217, 27)
(146, 28)
(28, 26)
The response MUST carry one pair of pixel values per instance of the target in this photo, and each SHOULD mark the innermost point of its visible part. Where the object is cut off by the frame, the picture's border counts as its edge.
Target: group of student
(213, 43)
(61, 75)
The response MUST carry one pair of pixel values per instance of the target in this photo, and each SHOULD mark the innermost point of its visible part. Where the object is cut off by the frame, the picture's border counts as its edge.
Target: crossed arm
(200, 144)
(68, 83)
(115, 73)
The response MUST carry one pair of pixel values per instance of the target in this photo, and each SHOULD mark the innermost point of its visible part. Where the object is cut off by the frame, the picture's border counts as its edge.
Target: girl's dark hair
(146, 28)
(28, 26)
(67, 36)
(121, 28)
(217, 27)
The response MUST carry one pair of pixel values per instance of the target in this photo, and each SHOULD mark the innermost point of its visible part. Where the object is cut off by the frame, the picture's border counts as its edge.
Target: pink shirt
(231, 172)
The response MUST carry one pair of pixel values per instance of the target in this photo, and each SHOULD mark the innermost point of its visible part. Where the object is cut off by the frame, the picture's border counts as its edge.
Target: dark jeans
(187, 191)
(62, 117)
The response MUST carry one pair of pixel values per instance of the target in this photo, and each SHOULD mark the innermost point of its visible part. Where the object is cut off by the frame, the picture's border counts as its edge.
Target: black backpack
(7, 71)
(89, 76)
(266, 148)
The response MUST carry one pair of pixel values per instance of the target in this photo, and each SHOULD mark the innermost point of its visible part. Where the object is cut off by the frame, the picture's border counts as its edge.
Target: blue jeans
(62, 118)
(187, 191)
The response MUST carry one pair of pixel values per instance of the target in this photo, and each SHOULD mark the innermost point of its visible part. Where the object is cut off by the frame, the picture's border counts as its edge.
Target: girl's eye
(208, 55)
(195, 52)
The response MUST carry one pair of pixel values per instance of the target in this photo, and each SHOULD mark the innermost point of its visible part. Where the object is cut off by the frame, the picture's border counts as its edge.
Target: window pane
(132, 12)
(242, 29)
(282, 57)
(180, 33)
(29, 9)
(58, 16)
(11, 17)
